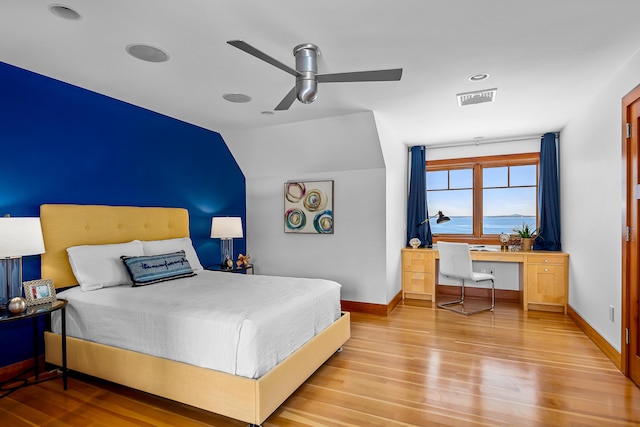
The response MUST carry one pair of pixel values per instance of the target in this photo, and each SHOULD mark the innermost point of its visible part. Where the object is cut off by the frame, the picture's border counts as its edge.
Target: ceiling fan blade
(287, 100)
(261, 55)
(362, 76)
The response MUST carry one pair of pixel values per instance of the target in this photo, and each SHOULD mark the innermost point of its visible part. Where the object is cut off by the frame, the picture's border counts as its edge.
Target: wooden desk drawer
(417, 261)
(546, 259)
(418, 282)
(547, 284)
(497, 256)
(419, 286)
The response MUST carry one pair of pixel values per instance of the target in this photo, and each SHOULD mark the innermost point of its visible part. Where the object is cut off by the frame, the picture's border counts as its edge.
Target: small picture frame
(39, 292)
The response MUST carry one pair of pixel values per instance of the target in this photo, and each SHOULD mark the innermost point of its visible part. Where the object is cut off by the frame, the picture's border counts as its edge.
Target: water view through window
(509, 198)
(491, 224)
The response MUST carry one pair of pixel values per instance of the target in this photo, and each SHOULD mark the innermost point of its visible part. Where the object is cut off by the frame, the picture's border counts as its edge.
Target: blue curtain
(549, 195)
(417, 209)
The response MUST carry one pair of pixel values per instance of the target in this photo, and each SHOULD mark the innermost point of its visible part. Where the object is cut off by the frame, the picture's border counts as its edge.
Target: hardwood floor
(417, 367)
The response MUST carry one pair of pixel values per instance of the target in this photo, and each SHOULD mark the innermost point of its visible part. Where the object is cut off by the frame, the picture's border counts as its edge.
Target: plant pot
(526, 243)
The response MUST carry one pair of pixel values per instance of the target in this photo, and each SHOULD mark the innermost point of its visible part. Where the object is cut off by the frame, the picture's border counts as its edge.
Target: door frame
(628, 191)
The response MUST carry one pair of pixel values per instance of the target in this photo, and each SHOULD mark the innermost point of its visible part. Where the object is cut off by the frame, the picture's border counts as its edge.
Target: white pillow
(161, 247)
(100, 266)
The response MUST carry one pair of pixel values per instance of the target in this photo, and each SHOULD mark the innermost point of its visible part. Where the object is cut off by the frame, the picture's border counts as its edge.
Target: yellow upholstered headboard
(71, 225)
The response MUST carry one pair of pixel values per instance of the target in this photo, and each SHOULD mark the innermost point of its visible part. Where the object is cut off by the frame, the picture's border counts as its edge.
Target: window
(483, 196)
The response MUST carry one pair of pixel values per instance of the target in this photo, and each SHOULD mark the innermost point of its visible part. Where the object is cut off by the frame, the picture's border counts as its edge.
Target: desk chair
(455, 262)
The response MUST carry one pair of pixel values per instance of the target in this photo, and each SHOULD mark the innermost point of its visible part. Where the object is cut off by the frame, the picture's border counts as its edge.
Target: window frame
(477, 164)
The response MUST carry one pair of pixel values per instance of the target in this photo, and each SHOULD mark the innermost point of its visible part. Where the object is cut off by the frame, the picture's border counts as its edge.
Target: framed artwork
(308, 207)
(39, 292)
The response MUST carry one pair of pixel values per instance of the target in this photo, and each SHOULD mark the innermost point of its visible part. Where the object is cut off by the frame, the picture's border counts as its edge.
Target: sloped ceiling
(331, 144)
(545, 57)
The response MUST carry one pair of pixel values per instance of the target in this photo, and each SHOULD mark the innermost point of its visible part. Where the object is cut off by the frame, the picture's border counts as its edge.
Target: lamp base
(10, 280)
(227, 254)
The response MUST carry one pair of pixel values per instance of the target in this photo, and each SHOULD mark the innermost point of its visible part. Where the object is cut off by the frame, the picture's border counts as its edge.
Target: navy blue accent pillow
(145, 270)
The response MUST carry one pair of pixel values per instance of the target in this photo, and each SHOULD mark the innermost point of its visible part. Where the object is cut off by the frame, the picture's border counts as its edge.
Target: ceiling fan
(306, 72)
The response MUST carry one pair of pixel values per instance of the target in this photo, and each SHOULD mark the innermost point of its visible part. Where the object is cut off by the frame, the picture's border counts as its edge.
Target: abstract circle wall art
(323, 222)
(294, 191)
(314, 200)
(308, 207)
(295, 219)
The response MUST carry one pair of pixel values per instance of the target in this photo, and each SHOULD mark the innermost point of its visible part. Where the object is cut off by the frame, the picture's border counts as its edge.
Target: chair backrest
(455, 260)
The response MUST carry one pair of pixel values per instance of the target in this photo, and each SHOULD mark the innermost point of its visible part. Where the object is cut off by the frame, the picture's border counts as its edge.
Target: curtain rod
(482, 142)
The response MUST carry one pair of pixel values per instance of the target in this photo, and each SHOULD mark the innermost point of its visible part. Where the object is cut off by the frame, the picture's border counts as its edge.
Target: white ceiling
(546, 57)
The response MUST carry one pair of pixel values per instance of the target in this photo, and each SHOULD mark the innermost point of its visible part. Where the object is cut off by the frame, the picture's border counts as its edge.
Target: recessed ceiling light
(267, 113)
(64, 12)
(238, 98)
(147, 53)
(478, 77)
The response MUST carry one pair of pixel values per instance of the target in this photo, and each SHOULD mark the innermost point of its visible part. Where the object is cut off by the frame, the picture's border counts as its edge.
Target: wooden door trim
(627, 191)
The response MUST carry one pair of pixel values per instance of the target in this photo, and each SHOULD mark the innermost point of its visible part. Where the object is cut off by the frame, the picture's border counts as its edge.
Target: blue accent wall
(63, 144)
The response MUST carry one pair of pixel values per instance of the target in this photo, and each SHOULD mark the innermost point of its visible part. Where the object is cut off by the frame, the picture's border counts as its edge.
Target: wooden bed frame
(249, 400)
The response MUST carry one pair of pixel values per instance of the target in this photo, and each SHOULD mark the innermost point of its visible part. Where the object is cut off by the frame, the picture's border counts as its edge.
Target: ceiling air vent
(477, 97)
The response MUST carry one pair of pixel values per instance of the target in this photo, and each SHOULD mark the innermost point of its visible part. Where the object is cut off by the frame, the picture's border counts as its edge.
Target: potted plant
(527, 235)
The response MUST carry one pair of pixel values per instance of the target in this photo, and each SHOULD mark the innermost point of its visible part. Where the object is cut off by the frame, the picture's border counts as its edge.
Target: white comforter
(235, 323)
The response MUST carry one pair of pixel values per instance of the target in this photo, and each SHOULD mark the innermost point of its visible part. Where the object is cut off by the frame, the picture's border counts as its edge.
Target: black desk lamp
(441, 218)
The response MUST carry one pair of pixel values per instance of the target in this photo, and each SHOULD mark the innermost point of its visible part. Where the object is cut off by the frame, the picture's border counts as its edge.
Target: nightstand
(33, 312)
(242, 270)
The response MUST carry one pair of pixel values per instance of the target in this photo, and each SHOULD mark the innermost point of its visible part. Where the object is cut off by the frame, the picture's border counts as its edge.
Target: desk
(543, 277)
(34, 312)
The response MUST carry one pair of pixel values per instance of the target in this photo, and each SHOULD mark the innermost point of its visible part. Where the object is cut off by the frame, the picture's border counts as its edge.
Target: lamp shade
(20, 237)
(227, 227)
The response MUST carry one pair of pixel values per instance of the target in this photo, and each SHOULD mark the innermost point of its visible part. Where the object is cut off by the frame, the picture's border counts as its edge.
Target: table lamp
(18, 237)
(441, 218)
(226, 229)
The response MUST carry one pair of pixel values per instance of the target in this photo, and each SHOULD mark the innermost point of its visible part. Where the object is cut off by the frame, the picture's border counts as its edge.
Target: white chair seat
(481, 277)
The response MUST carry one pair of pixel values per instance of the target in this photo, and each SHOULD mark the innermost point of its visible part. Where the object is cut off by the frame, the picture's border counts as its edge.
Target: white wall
(516, 146)
(345, 149)
(591, 203)
(396, 158)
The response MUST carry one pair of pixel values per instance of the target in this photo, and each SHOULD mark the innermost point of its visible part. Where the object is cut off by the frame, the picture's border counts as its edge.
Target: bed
(234, 393)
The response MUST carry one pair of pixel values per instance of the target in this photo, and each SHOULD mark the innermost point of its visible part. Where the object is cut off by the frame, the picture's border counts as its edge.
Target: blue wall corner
(64, 144)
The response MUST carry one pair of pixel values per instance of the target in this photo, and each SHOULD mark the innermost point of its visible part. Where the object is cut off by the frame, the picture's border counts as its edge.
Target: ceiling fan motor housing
(307, 66)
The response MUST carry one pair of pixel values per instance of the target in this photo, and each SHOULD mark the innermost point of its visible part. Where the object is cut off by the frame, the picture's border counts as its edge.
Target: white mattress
(235, 323)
